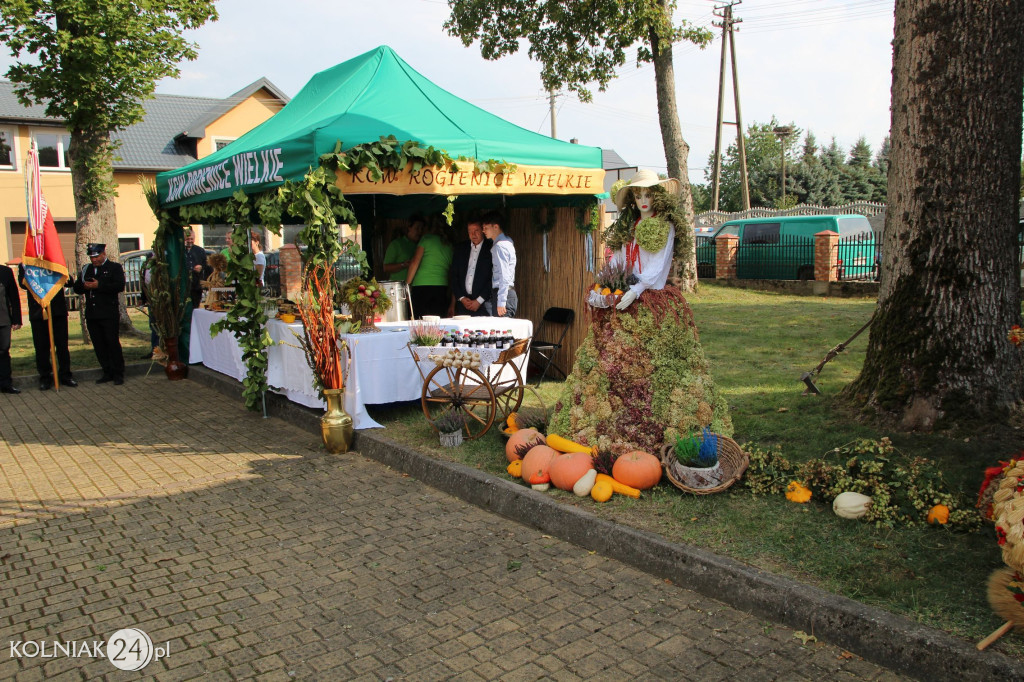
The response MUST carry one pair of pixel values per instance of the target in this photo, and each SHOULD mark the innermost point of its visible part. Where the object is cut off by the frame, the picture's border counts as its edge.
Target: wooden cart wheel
(508, 392)
(447, 388)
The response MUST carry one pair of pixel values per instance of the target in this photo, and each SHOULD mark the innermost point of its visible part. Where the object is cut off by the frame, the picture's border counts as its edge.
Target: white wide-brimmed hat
(645, 178)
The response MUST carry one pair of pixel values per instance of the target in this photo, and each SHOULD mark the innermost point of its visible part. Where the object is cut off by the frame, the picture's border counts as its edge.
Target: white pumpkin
(585, 484)
(851, 505)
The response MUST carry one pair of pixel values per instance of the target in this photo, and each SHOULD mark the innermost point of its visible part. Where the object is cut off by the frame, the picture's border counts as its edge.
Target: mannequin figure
(640, 378)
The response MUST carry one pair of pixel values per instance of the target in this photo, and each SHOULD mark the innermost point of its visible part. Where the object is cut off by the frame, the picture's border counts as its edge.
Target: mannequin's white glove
(626, 300)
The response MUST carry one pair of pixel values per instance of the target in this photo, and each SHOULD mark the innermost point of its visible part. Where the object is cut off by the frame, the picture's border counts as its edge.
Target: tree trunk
(684, 271)
(938, 350)
(96, 219)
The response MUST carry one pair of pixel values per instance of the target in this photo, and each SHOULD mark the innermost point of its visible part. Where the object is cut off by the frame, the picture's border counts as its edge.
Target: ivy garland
(588, 219)
(246, 319)
(544, 218)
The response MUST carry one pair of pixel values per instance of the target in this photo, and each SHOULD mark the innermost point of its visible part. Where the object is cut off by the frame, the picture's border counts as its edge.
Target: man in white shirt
(471, 273)
(504, 300)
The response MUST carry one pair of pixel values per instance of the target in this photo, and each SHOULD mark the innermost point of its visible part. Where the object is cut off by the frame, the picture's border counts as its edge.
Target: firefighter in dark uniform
(101, 281)
(41, 337)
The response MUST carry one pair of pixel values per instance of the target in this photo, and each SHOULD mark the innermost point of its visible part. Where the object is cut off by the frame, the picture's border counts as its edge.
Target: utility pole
(729, 40)
(783, 133)
(551, 102)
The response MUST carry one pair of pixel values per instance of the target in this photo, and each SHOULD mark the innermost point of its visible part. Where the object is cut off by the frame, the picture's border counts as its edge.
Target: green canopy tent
(373, 95)
(376, 95)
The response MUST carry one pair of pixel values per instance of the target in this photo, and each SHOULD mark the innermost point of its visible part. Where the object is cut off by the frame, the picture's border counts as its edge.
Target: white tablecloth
(382, 370)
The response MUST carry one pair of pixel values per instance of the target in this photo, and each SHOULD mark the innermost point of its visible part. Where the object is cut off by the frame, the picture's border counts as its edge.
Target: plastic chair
(545, 350)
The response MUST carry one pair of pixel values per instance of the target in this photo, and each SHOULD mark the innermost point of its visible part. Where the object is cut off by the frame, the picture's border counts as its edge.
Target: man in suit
(10, 321)
(101, 281)
(41, 337)
(471, 273)
(195, 263)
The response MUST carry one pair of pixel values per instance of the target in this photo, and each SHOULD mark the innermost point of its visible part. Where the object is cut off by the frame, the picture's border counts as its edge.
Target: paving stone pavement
(234, 541)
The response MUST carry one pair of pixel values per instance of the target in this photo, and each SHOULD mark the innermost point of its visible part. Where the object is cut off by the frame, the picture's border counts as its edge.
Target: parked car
(132, 262)
(782, 247)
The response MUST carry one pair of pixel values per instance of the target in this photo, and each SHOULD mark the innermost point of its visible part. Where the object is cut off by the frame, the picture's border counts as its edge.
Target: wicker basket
(731, 458)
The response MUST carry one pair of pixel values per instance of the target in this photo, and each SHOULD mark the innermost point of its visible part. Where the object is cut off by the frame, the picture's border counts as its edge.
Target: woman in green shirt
(428, 274)
(401, 250)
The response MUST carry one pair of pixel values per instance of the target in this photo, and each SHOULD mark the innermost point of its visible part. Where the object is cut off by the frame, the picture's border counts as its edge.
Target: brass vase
(336, 424)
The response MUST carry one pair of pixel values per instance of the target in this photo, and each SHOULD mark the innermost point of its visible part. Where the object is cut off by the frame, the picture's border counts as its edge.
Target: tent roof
(375, 94)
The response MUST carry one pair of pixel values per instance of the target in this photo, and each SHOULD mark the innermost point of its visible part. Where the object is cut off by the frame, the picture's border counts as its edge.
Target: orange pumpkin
(568, 468)
(537, 464)
(637, 469)
(520, 443)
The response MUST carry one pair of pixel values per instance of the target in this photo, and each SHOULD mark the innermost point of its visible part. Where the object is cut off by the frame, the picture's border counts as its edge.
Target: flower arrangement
(320, 339)
(450, 422)
(365, 298)
(611, 282)
(425, 333)
(698, 451)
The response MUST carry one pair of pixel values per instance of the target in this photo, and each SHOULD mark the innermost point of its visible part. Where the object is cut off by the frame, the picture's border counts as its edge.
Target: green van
(782, 247)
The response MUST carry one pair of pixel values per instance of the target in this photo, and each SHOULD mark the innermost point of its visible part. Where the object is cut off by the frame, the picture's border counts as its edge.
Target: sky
(823, 65)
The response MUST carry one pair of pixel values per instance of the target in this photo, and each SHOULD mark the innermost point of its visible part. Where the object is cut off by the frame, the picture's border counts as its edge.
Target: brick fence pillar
(826, 256)
(726, 246)
(291, 272)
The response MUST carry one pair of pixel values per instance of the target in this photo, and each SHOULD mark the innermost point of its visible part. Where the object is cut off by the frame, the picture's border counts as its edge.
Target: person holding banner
(40, 322)
(43, 273)
(101, 281)
(10, 321)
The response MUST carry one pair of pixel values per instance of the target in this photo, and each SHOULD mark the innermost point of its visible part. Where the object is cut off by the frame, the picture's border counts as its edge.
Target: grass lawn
(758, 345)
(23, 355)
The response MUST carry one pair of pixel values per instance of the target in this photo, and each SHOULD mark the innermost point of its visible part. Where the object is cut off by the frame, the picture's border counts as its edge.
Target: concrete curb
(879, 636)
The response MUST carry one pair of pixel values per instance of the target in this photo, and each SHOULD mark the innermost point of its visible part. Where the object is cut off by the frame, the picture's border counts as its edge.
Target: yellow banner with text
(525, 180)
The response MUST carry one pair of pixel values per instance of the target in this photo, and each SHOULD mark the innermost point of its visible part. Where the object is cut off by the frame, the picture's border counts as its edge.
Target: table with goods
(381, 371)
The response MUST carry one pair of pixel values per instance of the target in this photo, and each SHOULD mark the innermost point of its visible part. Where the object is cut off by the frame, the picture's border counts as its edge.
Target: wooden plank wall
(566, 284)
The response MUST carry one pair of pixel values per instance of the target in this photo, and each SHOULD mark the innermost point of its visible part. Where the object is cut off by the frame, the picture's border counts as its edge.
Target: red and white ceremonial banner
(46, 271)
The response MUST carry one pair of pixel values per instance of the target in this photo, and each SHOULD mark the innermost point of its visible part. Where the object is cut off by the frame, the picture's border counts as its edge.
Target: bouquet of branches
(365, 298)
(320, 340)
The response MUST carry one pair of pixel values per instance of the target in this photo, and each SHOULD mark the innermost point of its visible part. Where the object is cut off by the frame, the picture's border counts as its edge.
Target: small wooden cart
(494, 388)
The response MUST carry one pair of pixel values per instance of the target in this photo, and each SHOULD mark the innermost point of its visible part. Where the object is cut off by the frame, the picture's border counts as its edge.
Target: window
(7, 153)
(220, 143)
(763, 233)
(53, 149)
(125, 244)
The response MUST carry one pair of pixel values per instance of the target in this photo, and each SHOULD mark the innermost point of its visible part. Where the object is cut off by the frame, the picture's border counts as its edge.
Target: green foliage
(92, 63)
(576, 43)
(902, 489)
(588, 218)
(246, 319)
(823, 177)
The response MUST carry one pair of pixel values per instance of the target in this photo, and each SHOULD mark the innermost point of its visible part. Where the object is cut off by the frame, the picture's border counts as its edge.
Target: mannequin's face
(643, 201)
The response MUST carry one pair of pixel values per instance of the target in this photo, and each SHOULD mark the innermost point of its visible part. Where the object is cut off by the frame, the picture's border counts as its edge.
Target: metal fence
(783, 257)
(706, 253)
(859, 258)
